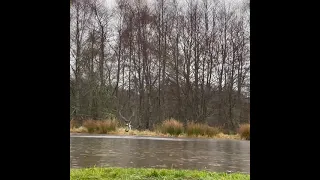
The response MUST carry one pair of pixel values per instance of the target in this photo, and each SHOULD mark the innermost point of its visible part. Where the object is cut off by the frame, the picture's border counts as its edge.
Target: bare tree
(189, 61)
(80, 18)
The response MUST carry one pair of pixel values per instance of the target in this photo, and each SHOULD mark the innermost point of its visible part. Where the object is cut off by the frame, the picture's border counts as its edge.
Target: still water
(179, 153)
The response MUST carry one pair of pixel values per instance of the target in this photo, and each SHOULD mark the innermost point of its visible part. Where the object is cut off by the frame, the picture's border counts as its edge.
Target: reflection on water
(215, 155)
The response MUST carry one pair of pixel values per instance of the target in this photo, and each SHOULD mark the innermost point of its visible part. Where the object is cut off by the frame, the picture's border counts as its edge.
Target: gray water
(178, 153)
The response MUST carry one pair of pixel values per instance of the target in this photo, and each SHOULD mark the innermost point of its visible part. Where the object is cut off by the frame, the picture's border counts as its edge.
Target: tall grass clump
(199, 129)
(244, 131)
(212, 131)
(73, 124)
(91, 125)
(106, 126)
(80, 129)
(195, 129)
(172, 127)
(101, 126)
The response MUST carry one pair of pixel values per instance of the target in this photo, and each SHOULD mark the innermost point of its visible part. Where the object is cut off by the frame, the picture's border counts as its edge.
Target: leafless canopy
(186, 59)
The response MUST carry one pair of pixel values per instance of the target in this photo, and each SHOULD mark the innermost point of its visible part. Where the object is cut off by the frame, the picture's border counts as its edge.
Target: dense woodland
(188, 60)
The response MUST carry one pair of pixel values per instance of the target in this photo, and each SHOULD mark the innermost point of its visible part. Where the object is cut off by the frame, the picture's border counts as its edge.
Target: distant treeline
(162, 59)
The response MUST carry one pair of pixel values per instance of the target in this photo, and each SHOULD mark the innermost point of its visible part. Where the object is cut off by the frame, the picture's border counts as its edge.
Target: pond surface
(179, 153)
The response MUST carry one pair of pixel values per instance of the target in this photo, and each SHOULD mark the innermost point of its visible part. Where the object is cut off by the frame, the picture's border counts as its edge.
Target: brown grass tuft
(106, 126)
(212, 131)
(73, 124)
(80, 129)
(101, 126)
(198, 129)
(244, 131)
(91, 125)
(172, 127)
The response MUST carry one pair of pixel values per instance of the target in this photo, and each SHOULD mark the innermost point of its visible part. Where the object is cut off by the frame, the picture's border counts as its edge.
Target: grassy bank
(169, 128)
(148, 173)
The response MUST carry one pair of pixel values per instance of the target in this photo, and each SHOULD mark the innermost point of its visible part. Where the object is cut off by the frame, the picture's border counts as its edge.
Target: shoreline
(121, 132)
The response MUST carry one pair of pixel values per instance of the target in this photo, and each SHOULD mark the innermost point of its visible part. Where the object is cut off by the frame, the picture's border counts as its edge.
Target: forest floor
(134, 132)
(149, 173)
